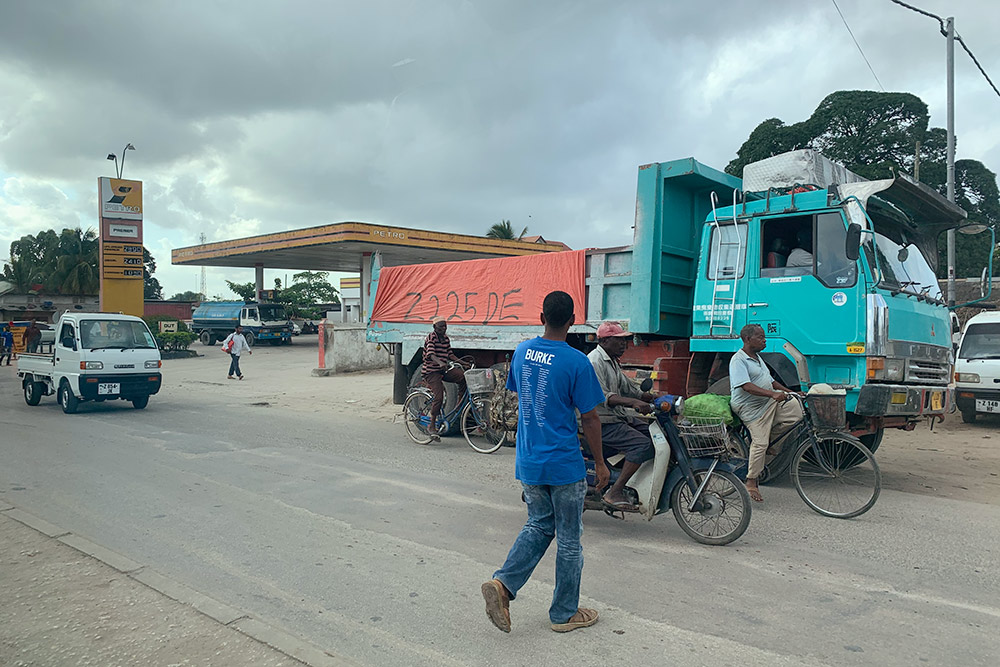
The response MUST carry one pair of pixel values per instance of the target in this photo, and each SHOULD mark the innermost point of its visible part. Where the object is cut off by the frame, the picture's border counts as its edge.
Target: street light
(120, 169)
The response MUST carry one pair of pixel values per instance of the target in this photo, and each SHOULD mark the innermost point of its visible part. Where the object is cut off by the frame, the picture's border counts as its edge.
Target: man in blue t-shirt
(553, 381)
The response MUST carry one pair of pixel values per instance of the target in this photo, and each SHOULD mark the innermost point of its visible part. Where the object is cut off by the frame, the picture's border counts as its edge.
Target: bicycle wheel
(475, 421)
(416, 415)
(836, 475)
(725, 512)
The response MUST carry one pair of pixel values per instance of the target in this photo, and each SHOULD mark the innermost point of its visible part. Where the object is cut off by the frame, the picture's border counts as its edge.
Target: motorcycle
(690, 474)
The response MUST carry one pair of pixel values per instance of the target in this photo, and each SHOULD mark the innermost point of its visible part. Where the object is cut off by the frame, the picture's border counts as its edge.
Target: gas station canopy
(341, 247)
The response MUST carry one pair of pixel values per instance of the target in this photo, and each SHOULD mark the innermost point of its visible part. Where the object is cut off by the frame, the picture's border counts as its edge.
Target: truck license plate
(986, 405)
(937, 400)
(105, 388)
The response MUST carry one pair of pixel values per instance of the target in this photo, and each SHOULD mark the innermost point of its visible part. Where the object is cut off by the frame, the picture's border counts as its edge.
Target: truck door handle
(758, 305)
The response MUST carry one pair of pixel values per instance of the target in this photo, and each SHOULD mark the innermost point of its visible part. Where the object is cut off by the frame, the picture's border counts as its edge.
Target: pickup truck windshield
(981, 341)
(903, 268)
(115, 334)
(272, 312)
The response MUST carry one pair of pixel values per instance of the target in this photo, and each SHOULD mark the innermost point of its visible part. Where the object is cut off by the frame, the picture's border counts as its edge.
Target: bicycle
(472, 412)
(834, 473)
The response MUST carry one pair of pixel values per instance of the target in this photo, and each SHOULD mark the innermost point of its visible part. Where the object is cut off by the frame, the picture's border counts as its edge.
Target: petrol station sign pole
(121, 250)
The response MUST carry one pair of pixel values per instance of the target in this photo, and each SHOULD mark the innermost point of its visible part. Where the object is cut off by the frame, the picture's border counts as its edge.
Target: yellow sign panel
(855, 348)
(123, 273)
(937, 400)
(121, 199)
(122, 249)
(123, 261)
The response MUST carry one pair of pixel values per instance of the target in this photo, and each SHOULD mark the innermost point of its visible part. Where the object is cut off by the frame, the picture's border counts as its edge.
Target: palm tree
(504, 230)
(75, 269)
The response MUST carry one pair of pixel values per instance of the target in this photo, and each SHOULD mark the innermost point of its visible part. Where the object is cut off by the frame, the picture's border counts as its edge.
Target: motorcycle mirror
(647, 384)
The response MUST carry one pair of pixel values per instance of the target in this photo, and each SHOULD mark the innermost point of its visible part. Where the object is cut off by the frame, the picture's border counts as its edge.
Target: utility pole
(950, 23)
(916, 163)
(204, 294)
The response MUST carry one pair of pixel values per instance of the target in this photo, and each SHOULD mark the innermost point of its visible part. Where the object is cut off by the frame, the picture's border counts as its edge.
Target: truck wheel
(206, 338)
(872, 440)
(250, 338)
(67, 399)
(140, 402)
(32, 392)
(968, 416)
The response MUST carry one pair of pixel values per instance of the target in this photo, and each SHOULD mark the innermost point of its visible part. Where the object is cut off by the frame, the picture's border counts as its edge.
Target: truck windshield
(981, 341)
(115, 334)
(903, 268)
(272, 313)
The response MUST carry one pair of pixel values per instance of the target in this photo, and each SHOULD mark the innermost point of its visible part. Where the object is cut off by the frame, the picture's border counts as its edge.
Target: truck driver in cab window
(817, 244)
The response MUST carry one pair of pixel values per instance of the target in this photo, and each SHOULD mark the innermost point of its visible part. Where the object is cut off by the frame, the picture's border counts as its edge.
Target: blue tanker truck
(213, 321)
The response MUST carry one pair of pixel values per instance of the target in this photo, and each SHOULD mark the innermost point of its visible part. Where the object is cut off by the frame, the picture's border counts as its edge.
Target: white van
(977, 368)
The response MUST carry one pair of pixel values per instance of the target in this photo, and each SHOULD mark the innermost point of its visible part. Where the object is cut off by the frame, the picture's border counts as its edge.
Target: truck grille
(929, 372)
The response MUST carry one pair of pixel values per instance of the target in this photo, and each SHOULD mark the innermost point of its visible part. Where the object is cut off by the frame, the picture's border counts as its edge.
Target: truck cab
(977, 368)
(95, 357)
(214, 320)
(870, 318)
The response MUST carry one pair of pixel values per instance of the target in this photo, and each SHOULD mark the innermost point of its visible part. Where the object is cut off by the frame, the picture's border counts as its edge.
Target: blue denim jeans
(234, 365)
(553, 511)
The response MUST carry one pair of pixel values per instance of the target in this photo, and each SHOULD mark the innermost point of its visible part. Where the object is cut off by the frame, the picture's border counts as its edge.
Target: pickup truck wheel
(32, 392)
(968, 417)
(67, 400)
(250, 339)
(206, 338)
(140, 402)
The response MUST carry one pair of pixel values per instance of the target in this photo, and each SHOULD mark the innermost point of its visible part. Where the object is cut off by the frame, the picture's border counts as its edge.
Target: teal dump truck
(838, 270)
(215, 320)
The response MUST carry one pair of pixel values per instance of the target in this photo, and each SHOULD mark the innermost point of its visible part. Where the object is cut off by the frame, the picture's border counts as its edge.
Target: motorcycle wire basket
(704, 438)
(479, 381)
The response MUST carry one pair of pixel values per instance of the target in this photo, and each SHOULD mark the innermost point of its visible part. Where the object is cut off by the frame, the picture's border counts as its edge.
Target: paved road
(339, 530)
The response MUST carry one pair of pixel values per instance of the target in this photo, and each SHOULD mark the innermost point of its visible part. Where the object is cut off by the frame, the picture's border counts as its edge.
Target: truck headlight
(153, 364)
(894, 369)
(971, 378)
(91, 365)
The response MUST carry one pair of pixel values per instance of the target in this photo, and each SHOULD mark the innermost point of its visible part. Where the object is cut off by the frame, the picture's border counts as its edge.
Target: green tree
(875, 134)
(504, 230)
(75, 268)
(151, 288)
(187, 296)
(246, 291)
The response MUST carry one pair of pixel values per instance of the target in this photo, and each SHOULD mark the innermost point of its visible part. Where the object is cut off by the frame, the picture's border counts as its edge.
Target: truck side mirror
(853, 246)
(647, 384)
(69, 342)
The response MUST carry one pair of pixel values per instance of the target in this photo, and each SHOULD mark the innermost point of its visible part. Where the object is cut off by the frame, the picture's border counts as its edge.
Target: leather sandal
(583, 618)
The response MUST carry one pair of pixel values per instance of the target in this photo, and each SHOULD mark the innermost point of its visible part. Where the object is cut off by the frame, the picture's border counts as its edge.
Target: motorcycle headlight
(971, 378)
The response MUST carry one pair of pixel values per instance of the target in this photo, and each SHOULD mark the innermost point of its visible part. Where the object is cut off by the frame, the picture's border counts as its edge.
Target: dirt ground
(955, 460)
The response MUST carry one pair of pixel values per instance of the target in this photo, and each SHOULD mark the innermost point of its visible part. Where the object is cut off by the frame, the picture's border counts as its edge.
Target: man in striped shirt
(438, 368)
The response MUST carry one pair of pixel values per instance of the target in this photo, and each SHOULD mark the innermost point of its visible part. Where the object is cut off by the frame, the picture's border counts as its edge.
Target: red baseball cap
(611, 330)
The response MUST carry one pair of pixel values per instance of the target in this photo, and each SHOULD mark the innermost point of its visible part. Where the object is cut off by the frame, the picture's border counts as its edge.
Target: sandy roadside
(955, 460)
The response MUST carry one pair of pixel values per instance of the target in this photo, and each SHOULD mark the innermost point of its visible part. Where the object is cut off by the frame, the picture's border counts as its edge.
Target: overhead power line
(958, 37)
(860, 50)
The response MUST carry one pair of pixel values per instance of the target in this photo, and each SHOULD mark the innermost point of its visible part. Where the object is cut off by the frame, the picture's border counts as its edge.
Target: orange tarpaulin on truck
(506, 291)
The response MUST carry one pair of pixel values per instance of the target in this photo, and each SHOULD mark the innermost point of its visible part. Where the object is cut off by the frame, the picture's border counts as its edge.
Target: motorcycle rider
(621, 431)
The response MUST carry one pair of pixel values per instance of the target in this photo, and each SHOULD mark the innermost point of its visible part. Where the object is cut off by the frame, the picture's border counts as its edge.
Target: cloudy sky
(251, 116)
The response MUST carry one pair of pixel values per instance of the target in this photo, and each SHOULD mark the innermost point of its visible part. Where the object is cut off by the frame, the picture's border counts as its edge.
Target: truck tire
(67, 399)
(140, 402)
(451, 397)
(206, 338)
(872, 440)
(250, 338)
(32, 392)
(968, 417)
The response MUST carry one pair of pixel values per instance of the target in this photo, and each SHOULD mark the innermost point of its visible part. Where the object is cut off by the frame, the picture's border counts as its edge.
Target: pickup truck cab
(95, 357)
(977, 368)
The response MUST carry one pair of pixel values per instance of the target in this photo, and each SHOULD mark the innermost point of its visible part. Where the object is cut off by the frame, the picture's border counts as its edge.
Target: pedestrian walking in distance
(235, 344)
(552, 381)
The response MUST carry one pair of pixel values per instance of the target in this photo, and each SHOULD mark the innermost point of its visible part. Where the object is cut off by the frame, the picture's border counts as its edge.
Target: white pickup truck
(96, 357)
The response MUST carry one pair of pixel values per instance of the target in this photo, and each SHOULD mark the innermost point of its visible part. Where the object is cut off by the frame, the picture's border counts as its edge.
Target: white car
(977, 368)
